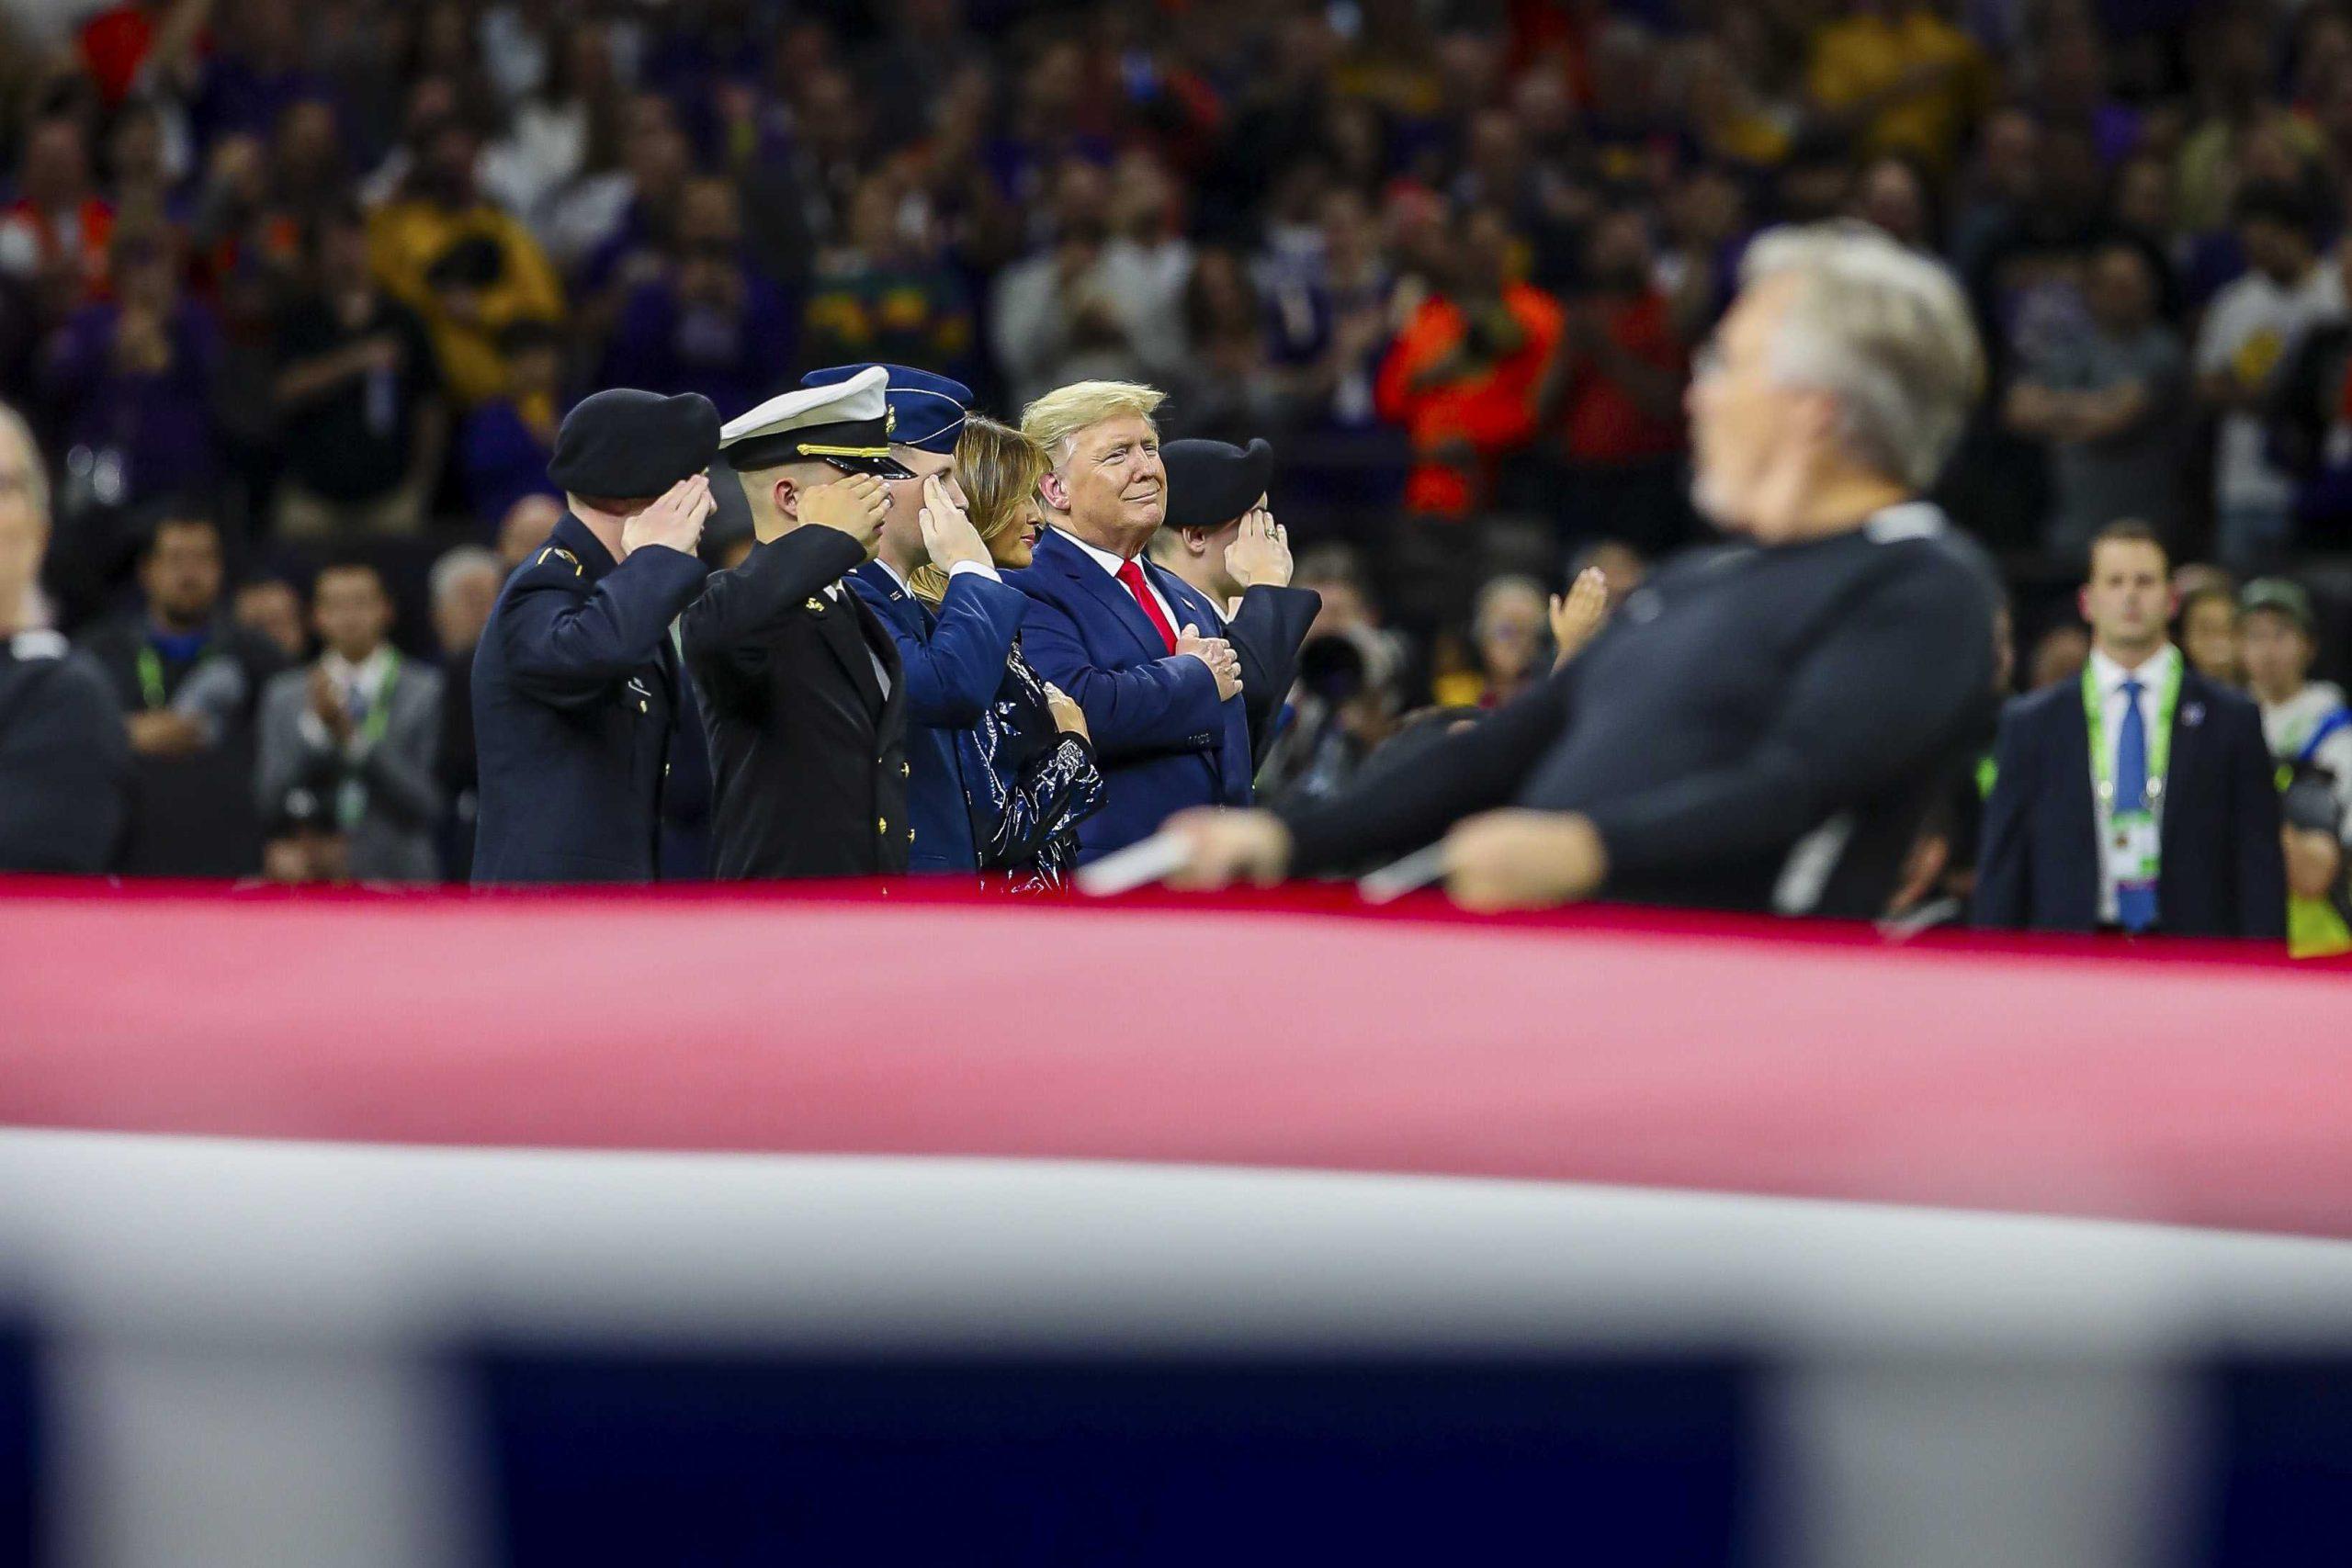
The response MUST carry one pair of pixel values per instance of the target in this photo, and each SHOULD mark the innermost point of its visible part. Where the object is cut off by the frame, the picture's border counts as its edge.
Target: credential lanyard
(351, 800)
(2159, 743)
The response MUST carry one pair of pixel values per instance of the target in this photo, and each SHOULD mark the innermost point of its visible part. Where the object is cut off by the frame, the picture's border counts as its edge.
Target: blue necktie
(2135, 907)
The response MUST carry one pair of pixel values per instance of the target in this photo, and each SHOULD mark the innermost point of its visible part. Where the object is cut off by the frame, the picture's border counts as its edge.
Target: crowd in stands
(295, 296)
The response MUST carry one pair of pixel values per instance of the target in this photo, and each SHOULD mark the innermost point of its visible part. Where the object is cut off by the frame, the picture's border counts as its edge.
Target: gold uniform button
(881, 824)
(902, 770)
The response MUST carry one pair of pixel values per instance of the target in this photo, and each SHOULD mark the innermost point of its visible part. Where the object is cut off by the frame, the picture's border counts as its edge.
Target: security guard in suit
(803, 696)
(953, 658)
(576, 685)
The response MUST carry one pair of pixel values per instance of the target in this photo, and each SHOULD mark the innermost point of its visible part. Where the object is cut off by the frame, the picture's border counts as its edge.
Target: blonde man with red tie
(1123, 636)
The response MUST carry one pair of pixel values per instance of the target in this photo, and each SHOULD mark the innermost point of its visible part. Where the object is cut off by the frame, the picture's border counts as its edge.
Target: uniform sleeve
(2261, 858)
(2003, 893)
(952, 678)
(1145, 708)
(742, 609)
(1390, 810)
(1266, 632)
(565, 650)
(72, 741)
(1883, 690)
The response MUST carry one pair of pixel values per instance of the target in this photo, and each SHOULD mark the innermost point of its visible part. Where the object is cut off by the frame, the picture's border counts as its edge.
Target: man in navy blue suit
(2140, 798)
(1123, 636)
(953, 660)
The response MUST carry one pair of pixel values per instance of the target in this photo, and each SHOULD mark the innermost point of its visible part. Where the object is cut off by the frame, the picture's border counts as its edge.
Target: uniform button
(902, 770)
(881, 824)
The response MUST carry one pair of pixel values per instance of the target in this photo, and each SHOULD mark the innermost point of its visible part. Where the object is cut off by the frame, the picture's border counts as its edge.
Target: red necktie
(1131, 573)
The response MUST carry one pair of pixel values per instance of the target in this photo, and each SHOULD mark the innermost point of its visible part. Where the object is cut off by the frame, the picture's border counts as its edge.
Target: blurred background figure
(64, 762)
(345, 780)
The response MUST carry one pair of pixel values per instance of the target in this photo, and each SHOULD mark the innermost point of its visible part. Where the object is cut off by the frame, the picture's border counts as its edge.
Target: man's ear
(786, 494)
(2083, 603)
(1196, 540)
(1055, 493)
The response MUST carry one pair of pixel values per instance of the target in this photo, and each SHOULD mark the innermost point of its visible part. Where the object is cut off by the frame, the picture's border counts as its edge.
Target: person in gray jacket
(344, 778)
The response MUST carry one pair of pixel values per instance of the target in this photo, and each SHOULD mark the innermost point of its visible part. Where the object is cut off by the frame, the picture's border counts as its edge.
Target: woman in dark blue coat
(1028, 765)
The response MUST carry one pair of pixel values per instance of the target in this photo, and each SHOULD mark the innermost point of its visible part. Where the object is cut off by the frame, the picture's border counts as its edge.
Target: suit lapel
(2186, 763)
(1191, 606)
(2074, 761)
(840, 627)
(1108, 590)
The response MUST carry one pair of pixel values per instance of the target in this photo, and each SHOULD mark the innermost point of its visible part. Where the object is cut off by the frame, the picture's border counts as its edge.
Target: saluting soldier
(803, 697)
(576, 687)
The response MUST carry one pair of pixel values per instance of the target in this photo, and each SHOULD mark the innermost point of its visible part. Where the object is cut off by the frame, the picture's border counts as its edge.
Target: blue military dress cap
(626, 444)
(847, 425)
(929, 410)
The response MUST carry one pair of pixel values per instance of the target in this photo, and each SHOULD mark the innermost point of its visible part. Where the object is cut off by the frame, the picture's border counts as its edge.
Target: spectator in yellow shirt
(1901, 77)
(470, 269)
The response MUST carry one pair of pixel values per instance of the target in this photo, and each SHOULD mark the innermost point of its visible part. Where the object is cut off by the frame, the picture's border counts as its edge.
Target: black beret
(1210, 483)
(625, 444)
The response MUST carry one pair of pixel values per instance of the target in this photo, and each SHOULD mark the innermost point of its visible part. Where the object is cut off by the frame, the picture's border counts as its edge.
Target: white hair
(1884, 330)
(36, 474)
(455, 564)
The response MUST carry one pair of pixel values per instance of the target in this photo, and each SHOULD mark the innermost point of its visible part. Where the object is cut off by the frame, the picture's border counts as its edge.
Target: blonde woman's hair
(36, 476)
(999, 467)
(1061, 413)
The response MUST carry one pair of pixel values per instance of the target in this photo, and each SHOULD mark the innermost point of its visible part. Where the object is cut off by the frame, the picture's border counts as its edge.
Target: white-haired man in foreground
(1124, 638)
(1762, 723)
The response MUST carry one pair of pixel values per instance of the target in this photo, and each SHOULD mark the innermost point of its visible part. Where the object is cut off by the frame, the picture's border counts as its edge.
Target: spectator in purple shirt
(130, 379)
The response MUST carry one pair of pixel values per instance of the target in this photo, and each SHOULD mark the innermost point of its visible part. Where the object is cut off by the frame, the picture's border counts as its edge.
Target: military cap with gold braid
(846, 425)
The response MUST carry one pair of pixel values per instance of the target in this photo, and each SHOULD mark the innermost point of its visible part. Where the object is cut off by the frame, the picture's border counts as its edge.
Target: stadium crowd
(296, 299)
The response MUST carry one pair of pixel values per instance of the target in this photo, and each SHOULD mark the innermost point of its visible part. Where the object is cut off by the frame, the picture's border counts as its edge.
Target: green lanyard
(150, 677)
(2159, 743)
(351, 799)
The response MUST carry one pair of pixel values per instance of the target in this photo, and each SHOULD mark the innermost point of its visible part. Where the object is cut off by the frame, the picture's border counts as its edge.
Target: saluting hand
(1578, 613)
(854, 506)
(1259, 555)
(948, 535)
(675, 519)
(1217, 654)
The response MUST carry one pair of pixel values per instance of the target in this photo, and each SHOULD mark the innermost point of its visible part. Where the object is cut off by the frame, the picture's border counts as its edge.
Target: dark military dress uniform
(804, 703)
(576, 684)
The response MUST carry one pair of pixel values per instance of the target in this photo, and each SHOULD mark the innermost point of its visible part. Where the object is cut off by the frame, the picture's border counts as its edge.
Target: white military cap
(846, 424)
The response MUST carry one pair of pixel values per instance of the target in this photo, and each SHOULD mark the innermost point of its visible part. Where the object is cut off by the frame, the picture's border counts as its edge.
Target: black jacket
(2220, 871)
(808, 755)
(192, 814)
(575, 690)
(1755, 728)
(64, 758)
(1266, 632)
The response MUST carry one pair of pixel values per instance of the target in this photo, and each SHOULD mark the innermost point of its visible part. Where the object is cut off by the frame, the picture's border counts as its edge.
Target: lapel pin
(2193, 715)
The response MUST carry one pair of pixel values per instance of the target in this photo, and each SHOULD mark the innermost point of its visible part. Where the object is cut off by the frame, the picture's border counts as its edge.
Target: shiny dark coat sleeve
(566, 648)
(1059, 786)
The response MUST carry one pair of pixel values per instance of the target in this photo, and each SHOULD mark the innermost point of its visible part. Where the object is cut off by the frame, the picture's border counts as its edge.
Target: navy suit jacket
(576, 696)
(2220, 867)
(1163, 738)
(952, 662)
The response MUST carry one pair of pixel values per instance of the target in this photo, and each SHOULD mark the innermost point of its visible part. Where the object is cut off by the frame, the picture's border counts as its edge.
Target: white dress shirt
(2154, 673)
(1112, 564)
